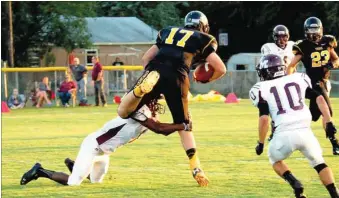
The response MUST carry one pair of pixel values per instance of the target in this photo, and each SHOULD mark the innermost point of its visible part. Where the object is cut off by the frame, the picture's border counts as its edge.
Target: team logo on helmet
(271, 66)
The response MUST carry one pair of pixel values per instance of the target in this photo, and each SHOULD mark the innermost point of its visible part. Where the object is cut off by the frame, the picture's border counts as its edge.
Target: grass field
(154, 165)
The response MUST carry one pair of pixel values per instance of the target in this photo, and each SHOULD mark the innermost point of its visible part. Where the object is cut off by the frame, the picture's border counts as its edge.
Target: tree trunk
(10, 41)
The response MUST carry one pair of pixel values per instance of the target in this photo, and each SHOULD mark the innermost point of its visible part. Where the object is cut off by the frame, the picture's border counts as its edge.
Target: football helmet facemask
(197, 20)
(271, 66)
(281, 35)
(313, 29)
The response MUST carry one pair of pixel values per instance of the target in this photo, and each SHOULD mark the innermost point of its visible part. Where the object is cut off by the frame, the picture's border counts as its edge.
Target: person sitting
(42, 93)
(16, 100)
(66, 89)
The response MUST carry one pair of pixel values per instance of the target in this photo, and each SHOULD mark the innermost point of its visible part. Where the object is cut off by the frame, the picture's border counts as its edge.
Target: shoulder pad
(265, 49)
(296, 49)
(291, 43)
(331, 40)
(255, 94)
(298, 42)
(207, 40)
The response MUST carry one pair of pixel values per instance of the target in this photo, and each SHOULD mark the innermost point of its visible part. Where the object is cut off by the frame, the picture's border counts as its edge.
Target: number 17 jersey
(285, 98)
(180, 47)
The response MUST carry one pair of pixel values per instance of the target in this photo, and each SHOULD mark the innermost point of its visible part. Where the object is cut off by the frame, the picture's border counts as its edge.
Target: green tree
(41, 25)
(156, 14)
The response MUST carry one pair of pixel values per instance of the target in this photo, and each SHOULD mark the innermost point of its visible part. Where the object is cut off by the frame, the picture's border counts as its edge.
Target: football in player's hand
(203, 72)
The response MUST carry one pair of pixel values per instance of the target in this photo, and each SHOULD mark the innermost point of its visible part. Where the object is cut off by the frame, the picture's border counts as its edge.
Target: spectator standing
(119, 74)
(42, 93)
(66, 90)
(98, 81)
(16, 100)
(80, 75)
(117, 62)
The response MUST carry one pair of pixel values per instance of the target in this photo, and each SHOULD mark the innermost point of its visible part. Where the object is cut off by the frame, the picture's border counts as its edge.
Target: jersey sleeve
(296, 49)
(160, 38)
(255, 95)
(209, 45)
(332, 42)
(265, 49)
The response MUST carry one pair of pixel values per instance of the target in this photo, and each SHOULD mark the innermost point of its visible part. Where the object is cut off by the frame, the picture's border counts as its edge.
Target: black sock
(332, 190)
(59, 177)
(45, 173)
(190, 152)
(294, 182)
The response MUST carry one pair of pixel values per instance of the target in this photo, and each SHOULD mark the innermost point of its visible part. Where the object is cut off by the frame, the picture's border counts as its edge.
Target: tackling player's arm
(160, 128)
(165, 128)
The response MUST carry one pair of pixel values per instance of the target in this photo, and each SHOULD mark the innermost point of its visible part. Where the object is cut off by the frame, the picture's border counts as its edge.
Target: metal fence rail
(117, 82)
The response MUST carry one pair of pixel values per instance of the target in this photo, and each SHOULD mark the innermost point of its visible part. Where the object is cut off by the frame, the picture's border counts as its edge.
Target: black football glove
(259, 148)
(329, 65)
(330, 130)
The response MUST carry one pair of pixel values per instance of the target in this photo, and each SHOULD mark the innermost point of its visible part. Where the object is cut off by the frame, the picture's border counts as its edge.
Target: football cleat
(200, 177)
(69, 163)
(336, 150)
(31, 174)
(299, 190)
(146, 83)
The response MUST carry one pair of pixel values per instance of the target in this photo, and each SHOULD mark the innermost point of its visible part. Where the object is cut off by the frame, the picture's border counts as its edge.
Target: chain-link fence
(118, 82)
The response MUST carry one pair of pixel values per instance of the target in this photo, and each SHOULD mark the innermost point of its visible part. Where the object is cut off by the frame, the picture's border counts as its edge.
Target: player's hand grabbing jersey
(316, 56)
(181, 46)
(285, 98)
(286, 54)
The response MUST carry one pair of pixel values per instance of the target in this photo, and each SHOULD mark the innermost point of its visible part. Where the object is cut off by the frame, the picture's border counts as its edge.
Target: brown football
(203, 72)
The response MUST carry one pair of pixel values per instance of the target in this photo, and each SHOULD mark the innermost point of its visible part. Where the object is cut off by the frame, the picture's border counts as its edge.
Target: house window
(89, 54)
(241, 67)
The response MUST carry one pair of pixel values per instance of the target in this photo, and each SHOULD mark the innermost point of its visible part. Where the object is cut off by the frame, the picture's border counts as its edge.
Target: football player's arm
(263, 126)
(293, 64)
(149, 55)
(334, 58)
(219, 67)
(165, 128)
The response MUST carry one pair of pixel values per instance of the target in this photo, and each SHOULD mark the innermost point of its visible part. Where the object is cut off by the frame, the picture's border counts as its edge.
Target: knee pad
(320, 167)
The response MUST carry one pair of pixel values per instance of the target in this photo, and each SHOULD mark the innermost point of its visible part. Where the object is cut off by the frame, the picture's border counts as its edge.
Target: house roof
(120, 30)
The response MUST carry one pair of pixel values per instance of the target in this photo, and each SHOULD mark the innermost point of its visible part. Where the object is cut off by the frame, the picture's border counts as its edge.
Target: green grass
(154, 165)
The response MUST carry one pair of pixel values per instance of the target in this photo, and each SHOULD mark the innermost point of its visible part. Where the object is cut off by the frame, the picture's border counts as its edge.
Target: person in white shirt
(282, 97)
(281, 46)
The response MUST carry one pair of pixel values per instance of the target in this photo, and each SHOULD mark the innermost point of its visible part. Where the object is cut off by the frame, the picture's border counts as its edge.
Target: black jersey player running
(167, 64)
(317, 53)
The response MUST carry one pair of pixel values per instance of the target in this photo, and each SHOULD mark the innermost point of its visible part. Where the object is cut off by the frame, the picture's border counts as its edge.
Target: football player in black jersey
(167, 64)
(317, 53)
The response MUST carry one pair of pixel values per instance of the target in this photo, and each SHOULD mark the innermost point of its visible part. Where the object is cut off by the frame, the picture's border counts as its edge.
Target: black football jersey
(316, 56)
(180, 47)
